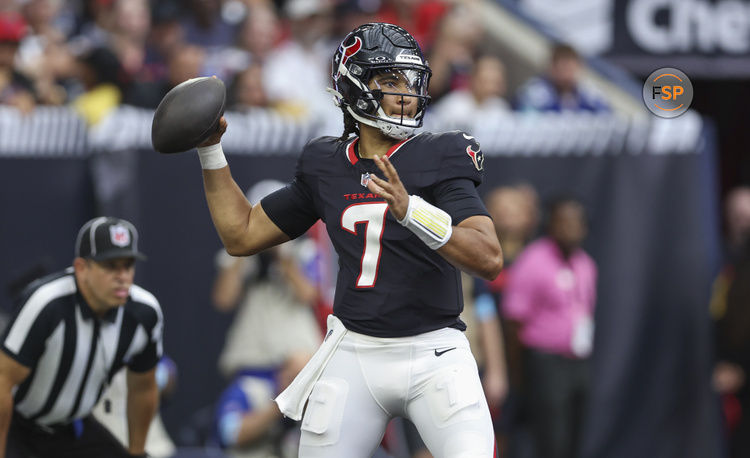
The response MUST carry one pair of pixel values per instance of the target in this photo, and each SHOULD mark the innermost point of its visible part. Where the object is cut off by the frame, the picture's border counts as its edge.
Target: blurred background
(551, 89)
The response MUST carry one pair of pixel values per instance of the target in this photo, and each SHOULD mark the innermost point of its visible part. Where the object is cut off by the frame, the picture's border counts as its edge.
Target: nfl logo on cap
(107, 238)
(120, 235)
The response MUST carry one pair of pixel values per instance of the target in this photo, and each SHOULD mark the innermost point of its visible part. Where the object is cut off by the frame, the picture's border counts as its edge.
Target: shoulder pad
(311, 160)
(461, 156)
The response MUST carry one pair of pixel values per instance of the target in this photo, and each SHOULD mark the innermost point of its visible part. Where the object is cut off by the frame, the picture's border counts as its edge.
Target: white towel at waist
(292, 400)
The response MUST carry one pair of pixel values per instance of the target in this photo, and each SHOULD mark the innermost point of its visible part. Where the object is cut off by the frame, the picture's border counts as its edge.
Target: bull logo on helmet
(347, 52)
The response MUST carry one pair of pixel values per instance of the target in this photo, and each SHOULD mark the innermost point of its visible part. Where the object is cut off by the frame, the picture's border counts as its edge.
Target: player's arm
(12, 373)
(474, 248)
(472, 245)
(244, 229)
(143, 399)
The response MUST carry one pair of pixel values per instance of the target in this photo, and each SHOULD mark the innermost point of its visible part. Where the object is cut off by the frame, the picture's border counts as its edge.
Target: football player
(404, 215)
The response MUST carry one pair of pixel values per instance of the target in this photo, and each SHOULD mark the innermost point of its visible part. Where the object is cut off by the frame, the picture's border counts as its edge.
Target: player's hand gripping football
(216, 136)
(393, 191)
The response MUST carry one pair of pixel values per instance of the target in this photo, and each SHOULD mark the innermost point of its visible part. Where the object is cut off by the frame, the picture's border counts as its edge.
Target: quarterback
(404, 215)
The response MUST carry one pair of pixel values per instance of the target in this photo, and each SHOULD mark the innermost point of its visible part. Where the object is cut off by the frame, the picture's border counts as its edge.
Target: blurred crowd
(275, 54)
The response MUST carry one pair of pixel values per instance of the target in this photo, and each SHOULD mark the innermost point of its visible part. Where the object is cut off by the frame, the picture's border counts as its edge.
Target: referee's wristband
(212, 157)
(432, 225)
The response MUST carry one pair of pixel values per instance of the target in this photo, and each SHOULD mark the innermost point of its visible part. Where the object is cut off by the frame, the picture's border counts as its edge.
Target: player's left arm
(143, 399)
(472, 245)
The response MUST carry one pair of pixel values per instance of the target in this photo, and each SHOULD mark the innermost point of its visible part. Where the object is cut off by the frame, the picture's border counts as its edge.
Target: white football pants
(431, 379)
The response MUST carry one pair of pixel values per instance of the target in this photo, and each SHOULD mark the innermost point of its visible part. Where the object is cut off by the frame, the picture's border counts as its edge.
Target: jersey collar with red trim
(351, 153)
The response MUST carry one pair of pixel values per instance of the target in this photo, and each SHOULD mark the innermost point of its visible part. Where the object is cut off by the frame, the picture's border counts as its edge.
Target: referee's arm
(12, 373)
(143, 399)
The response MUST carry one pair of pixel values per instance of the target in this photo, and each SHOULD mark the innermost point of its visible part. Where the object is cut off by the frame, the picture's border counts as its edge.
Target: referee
(72, 332)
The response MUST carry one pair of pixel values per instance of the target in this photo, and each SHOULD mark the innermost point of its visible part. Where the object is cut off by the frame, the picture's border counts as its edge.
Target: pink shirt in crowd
(553, 298)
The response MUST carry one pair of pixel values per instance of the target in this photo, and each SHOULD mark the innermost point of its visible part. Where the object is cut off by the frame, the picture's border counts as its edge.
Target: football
(188, 115)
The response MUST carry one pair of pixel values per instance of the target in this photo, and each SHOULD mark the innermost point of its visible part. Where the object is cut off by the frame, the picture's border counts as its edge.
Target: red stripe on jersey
(392, 150)
(350, 153)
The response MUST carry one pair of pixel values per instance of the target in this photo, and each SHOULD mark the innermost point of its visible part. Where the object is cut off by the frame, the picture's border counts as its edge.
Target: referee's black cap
(107, 238)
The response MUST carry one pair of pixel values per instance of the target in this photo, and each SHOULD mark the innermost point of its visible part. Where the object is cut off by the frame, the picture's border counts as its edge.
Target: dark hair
(350, 126)
(563, 51)
(557, 202)
(105, 65)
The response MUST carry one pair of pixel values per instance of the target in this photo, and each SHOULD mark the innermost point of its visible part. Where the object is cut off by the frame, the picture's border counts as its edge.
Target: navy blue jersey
(390, 284)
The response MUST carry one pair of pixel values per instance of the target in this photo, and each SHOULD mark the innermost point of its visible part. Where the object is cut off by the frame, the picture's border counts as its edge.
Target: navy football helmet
(374, 50)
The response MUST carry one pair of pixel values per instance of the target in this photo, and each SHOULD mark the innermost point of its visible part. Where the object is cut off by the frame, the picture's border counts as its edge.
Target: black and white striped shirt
(72, 353)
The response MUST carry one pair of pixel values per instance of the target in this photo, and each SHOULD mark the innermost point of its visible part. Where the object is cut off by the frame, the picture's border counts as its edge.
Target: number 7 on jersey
(372, 214)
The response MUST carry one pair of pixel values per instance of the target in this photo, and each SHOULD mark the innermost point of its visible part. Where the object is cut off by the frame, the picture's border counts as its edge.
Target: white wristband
(432, 225)
(212, 157)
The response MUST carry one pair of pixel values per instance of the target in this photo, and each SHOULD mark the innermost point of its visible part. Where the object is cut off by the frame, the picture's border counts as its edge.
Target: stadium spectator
(246, 91)
(480, 104)
(273, 295)
(514, 211)
(258, 36)
(352, 13)
(184, 62)
(166, 36)
(130, 32)
(248, 422)
(454, 51)
(297, 72)
(551, 293)
(38, 53)
(420, 16)
(730, 308)
(103, 81)
(15, 89)
(260, 32)
(561, 89)
(272, 336)
(94, 26)
(205, 25)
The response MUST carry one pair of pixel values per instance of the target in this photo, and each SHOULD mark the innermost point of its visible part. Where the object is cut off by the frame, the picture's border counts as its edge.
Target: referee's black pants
(28, 440)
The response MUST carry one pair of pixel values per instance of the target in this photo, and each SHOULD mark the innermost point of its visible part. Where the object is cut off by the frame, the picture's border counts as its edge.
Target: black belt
(54, 428)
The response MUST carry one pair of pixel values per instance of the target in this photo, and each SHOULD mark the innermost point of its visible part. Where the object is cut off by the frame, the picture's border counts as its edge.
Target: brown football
(188, 115)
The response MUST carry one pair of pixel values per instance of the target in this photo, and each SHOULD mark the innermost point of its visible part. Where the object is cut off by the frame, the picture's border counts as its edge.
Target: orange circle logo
(667, 92)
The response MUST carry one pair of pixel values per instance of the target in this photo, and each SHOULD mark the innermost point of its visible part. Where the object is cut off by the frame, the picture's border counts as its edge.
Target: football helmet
(380, 59)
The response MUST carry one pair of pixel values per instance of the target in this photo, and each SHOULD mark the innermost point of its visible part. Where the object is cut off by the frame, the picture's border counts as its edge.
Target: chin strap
(432, 225)
(396, 131)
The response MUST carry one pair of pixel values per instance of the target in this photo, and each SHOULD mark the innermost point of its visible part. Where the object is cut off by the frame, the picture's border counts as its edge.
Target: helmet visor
(409, 84)
(394, 80)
